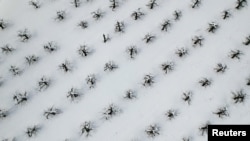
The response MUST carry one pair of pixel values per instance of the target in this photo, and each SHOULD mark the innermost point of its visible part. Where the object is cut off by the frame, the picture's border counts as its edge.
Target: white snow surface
(151, 103)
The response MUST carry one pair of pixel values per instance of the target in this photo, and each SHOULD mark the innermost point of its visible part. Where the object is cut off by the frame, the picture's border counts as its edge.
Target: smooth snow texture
(151, 103)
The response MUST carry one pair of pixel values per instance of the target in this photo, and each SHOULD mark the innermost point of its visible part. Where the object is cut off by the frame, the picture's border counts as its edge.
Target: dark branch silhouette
(148, 80)
(247, 41)
(3, 24)
(137, 14)
(50, 47)
(73, 94)
(20, 97)
(91, 80)
(105, 38)
(205, 82)
(110, 66)
(235, 54)
(130, 94)
(119, 27)
(132, 51)
(110, 111)
(212, 27)
(51, 112)
(220, 68)
(31, 59)
(167, 67)
(35, 3)
(60, 15)
(222, 112)
(177, 15)
(196, 3)
(166, 25)
(226, 14)
(181, 52)
(24, 35)
(187, 97)
(97, 14)
(152, 4)
(152, 130)
(197, 41)
(83, 24)
(239, 96)
(7, 49)
(171, 114)
(15, 70)
(76, 3)
(240, 4)
(32, 131)
(86, 128)
(114, 4)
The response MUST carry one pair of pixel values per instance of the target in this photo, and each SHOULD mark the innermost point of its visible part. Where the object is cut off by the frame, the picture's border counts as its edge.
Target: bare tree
(152, 4)
(153, 130)
(239, 96)
(247, 41)
(110, 111)
(105, 38)
(240, 4)
(167, 67)
(35, 3)
(220, 68)
(148, 80)
(31, 59)
(235, 54)
(248, 82)
(98, 14)
(73, 94)
(137, 14)
(181, 52)
(83, 24)
(91, 80)
(32, 131)
(166, 25)
(51, 112)
(3, 24)
(60, 15)
(187, 96)
(7, 49)
(196, 3)
(20, 97)
(130, 94)
(24, 35)
(119, 26)
(171, 114)
(204, 128)
(110, 66)
(50, 47)
(222, 112)
(84, 51)
(86, 128)
(204, 82)
(226, 14)
(197, 41)
(3, 113)
(15, 70)
(43, 83)
(132, 51)
(148, 38)
(65, 66)
(114, 4)
(212, 27)
(76, 3)
(177, 15)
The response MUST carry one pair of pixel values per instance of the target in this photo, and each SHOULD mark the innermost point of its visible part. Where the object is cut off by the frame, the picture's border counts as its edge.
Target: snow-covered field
(167, 69)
